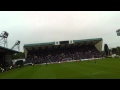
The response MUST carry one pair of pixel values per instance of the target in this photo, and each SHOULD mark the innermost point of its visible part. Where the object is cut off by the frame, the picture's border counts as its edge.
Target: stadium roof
(88, 41)
(3, 49)
(38, 44)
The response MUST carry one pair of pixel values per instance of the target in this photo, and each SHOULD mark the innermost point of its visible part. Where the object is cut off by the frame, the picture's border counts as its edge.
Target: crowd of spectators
(58, 54)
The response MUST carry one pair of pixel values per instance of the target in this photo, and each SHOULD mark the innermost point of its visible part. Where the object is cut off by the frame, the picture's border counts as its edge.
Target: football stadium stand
(63, 50)
(6, 53)
(6, 57)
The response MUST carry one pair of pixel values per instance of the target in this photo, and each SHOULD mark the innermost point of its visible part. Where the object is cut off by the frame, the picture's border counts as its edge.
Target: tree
(106, 49)
(116, 50)
(18, 55)
(103, 52)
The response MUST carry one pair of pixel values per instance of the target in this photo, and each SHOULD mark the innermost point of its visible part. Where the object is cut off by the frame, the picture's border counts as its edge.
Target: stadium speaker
(118, 32)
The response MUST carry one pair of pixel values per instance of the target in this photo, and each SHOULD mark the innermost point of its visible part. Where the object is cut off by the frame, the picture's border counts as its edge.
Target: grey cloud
(46, 26)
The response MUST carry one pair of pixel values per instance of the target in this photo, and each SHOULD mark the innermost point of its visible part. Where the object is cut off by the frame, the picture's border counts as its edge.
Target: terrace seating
(55, 55)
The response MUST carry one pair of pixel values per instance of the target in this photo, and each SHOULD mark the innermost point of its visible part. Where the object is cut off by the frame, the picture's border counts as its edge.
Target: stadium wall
(26, 52)
(99, 46)
(8, 58)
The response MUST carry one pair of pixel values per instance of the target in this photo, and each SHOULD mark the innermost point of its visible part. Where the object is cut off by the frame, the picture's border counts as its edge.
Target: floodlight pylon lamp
(117, 30)
(4, 34)
(17, 44)
(3, 38)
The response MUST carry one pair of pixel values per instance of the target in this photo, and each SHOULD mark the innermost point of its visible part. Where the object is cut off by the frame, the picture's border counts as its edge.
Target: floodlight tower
(17, 44)
(3, 38)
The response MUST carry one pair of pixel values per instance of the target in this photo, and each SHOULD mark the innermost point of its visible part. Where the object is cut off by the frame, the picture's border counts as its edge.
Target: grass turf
(108, 68)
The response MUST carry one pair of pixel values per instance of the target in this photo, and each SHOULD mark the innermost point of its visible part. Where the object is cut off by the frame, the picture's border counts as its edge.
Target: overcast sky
(48, 26)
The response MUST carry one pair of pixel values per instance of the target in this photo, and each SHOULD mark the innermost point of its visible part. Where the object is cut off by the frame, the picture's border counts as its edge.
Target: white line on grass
(100, 72)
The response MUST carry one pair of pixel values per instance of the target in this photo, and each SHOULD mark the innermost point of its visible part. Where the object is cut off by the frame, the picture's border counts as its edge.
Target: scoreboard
(64, 42)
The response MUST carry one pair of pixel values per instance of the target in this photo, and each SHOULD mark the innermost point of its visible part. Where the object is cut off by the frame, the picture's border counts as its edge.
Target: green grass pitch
(108, 68)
